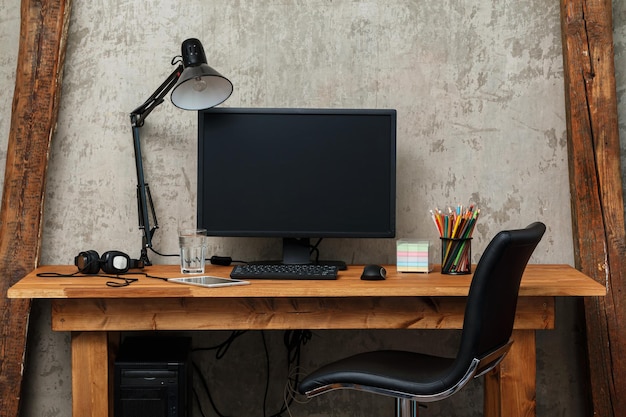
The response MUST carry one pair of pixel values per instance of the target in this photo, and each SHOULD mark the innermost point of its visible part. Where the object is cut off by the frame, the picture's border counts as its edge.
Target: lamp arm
(138, 116)
(142, 202)
(144, 199)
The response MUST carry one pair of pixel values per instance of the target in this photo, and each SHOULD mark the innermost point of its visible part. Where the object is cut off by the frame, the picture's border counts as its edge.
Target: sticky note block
(414, 255)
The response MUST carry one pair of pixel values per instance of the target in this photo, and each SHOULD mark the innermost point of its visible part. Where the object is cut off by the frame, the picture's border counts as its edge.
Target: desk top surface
(538, 280)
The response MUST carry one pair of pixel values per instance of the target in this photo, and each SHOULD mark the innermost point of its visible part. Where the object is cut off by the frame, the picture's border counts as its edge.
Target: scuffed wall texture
(9, 38)
(479, 91)
(466, 80)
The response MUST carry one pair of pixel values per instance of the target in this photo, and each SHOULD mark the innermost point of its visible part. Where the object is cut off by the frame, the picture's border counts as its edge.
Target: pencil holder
(456, 256)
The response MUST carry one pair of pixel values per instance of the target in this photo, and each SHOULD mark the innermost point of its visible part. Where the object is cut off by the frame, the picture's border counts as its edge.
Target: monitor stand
(297, 251)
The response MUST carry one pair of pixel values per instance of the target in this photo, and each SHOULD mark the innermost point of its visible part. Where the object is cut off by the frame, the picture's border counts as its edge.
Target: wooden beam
(597, 203)
(596, 192)
(126, 314)
(43, 32)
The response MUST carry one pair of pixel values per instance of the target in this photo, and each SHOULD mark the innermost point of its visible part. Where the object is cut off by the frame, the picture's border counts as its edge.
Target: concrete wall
(479, 91)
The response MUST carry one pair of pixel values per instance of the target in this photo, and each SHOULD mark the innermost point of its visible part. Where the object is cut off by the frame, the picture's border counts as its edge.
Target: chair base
(406, 408)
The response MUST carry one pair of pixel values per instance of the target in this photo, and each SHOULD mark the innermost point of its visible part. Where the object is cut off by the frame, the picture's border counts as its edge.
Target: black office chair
(487, 326)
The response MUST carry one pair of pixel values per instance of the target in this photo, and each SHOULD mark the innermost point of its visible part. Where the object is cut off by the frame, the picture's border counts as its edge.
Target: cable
(291, 393)
(267, 373)
(197, 398)
(215, 259)
(223, 347)
(115, 284)
(163, 254)
(315, 248)
(125, 280)
(206, 389)
(293, 341)
(221, 350)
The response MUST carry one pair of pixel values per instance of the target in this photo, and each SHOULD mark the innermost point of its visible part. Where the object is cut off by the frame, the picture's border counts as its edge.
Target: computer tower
(153, 377)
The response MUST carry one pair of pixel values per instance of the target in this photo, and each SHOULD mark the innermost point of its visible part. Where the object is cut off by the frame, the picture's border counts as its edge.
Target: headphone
(111, 262)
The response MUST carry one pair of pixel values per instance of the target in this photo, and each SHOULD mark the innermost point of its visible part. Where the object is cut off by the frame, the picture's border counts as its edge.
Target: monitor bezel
(204, 145)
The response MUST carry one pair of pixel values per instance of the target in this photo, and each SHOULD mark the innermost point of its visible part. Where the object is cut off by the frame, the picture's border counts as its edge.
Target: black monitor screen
(297, 173)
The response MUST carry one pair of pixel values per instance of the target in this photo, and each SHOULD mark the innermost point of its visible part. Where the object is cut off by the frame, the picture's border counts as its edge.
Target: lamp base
(143, 259)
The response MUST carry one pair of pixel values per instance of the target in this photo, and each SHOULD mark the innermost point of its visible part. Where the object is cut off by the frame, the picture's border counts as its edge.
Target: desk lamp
(196, 87)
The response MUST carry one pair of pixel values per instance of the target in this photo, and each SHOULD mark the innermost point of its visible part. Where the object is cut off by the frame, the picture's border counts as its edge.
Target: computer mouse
(374, 273)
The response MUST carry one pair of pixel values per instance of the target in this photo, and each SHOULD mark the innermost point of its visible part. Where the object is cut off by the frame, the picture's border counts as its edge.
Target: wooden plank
(596, 191)
(512, 387)
(538, 280)
(41, 53)
(90, 374)
(281, 313)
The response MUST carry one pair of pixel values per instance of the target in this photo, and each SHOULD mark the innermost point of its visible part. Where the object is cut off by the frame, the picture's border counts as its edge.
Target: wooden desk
(90, 309)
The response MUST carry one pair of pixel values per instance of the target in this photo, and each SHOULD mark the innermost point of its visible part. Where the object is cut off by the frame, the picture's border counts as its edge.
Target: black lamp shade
(199, 86)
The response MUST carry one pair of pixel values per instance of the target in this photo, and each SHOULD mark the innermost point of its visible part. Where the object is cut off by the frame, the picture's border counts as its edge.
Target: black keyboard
(280, 271)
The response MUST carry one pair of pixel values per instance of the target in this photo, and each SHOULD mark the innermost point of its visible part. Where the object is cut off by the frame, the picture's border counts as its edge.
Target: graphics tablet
(208, 281)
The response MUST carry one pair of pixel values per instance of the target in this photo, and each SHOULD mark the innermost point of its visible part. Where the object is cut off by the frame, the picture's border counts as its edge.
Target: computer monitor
(297, 174)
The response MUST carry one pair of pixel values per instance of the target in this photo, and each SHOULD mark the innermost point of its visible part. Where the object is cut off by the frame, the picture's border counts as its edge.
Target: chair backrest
(492, 298)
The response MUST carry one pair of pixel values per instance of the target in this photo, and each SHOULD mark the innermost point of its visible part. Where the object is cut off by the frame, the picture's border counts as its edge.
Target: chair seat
(411, 373)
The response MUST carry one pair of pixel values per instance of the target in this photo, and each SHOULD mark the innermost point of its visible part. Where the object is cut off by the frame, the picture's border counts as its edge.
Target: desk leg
(510, 389)
(90, 374)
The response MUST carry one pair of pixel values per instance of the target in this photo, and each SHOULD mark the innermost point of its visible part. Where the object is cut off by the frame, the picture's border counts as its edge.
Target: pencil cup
(456, 256)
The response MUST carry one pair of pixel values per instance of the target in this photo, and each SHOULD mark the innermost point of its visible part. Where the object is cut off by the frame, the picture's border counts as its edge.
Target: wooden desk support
(92, 311)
